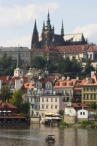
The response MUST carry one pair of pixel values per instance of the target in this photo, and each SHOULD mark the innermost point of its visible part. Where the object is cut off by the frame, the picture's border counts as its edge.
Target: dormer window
(56, 84)
(63, 84)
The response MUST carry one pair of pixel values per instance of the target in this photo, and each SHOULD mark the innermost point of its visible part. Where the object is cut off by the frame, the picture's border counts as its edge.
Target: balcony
(51, 94)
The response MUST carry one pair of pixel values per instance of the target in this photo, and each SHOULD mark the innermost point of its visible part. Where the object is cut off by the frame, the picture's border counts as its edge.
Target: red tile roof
(54, 74)
(8, 105)
(72, 49)
(92, 49)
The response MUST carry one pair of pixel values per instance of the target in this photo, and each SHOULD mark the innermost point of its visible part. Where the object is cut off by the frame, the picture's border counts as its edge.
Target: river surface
(34, 135)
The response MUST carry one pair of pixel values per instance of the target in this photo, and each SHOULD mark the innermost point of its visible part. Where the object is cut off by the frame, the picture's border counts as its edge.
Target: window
(56, 99)
(84, 96)
(51, 106)
(83, 113)
(35, 106)
(51, 99)
(31, 99)
(80, 113)
(55, 106)
(37, 113)
(28, 99)
(32, 106)
(46, 106)
(63, 84)
(90, 56)
(42, 99)
(46, 99)
(94, 96)
(87, 89)
(42, 106)
(42, 114)
(87, 96)
(91, 96)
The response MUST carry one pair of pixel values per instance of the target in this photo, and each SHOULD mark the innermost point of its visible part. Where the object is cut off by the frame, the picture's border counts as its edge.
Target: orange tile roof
(79, 84)
(65, 82)
(54, 74)
(29, 85)
(94, 83)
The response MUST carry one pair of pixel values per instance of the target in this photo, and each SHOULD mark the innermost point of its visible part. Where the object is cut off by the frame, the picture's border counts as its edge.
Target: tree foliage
(38, 62)
(7, 65)
(18, 102)
(93, 105)
(5, 94)
(88, 67)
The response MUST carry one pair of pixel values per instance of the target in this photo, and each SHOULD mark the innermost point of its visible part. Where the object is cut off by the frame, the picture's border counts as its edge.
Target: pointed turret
(35, 42)
(62, 29)
(35, 27)
(48, 25)
(43, 25)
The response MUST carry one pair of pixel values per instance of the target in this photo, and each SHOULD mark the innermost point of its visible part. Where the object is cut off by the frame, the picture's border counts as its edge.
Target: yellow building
(89, 90)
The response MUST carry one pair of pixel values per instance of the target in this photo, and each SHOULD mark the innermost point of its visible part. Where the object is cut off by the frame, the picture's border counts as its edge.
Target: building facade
(50, 39)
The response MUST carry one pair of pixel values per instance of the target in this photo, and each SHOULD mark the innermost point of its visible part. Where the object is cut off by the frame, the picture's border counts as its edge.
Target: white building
(85, 113)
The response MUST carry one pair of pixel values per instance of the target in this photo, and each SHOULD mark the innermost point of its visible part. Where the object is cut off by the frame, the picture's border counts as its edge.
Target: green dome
(30, 74)
(18, 69)
(30, 68)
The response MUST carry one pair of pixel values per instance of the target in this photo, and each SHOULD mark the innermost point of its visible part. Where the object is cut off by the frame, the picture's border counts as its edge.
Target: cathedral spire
(43, 25)
(48, 25)
(35, 27)
(35, 41)
(62, 29)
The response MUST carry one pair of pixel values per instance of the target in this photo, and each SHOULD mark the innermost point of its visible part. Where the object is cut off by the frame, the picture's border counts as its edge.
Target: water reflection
(34, 135)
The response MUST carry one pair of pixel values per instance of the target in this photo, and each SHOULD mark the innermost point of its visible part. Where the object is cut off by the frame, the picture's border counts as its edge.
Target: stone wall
(34, 120)
(70, 119)
(83, 119)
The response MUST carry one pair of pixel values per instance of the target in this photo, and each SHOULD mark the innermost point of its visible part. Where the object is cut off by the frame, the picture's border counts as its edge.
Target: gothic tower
(62, 29)
(47, 33)
(35, 40)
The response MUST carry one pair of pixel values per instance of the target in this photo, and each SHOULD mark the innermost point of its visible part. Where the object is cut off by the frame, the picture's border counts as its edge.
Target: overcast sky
(17, 19)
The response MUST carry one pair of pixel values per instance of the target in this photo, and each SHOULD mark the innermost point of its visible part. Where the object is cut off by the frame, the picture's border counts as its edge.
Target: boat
(50, 138)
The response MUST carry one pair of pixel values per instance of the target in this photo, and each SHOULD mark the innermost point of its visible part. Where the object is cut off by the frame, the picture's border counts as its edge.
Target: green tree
(25, 108)
(38, 62)
(5, 94)
(17, 100)
(88, 67)
(93, 105)
(61, 112)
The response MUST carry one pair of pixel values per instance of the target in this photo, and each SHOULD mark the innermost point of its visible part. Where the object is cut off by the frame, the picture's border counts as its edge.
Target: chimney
(77, 78)
(92, 73)
(68, 78)
(7, 78)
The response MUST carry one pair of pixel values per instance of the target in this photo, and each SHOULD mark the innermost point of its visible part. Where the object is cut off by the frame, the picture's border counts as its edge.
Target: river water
(34, 135)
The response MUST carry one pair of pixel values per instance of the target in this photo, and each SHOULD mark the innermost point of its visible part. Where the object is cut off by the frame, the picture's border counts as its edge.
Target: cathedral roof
(57, 38)
(73, 37)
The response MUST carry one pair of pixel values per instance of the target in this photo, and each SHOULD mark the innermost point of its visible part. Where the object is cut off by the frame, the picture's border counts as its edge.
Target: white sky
(17, 19)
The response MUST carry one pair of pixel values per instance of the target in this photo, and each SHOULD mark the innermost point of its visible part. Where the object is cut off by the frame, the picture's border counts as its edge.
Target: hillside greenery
(65, 67)
(7, 65)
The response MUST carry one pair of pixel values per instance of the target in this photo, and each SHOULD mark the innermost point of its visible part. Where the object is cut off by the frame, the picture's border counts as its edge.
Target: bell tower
(47, 33)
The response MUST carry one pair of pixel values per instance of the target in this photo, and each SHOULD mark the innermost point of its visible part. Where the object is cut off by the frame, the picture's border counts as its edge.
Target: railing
(51, 94)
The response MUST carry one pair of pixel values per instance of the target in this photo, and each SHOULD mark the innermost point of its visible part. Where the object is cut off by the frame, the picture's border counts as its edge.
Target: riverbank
(82, 124)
